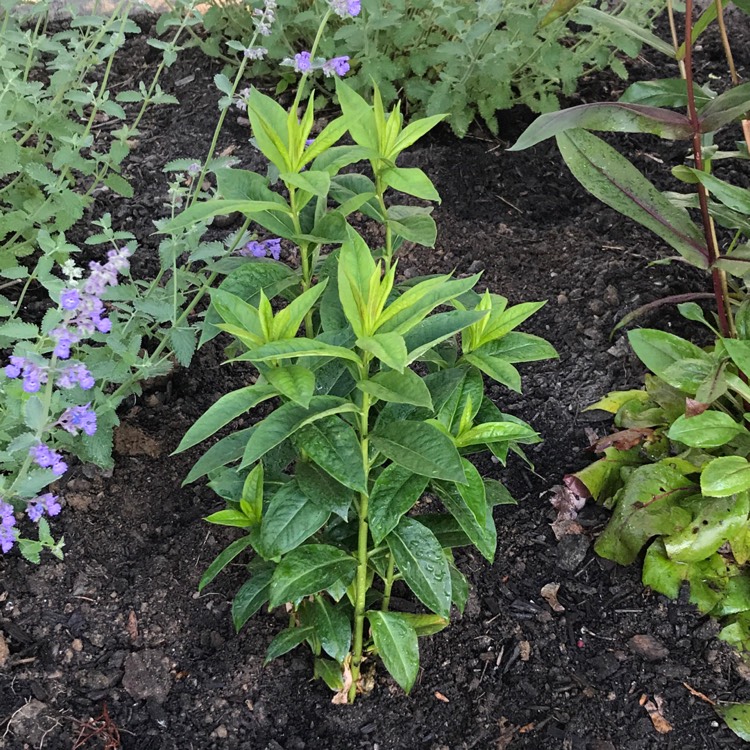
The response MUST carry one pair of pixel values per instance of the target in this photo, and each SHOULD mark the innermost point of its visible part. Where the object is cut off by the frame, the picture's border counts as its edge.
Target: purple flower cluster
(346, 8)
(33, 375)
(263, 248)
(77, 418)
(45, 457)
(338, 66)
(8, 531)
(264, 17)
(86, 306)
(75, 374)
(46, 503)
(303, 63)
(255, 53)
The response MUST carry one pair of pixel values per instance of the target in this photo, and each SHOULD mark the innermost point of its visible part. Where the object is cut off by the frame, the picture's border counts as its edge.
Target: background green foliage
(462, 57)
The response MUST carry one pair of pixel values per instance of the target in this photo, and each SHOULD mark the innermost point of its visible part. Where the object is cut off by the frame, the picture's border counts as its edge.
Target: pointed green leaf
(658, 350)
(224, 452)
(287, 640)
(286, 420)
(253, 594)
(333, 445)
(394, 493)
(290, 519)
(726, 475)
(420, 560)
(420, 447)
(294, 382)
(710, 429)
(396, 642)
(293, 348)
(308, 570)
(412, 181)
(223, 559)
(497, 368)
(398, 387)
(389, 348)
(323, 490)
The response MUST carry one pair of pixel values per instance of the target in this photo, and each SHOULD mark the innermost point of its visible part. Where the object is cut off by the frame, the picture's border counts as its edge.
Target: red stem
(713, 250)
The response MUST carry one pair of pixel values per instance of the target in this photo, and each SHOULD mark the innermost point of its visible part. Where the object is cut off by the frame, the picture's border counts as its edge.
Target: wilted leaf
(549, 592)
(623, 440)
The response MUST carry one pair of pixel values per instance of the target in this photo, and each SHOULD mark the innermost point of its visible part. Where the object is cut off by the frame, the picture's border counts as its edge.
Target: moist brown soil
(120, 624)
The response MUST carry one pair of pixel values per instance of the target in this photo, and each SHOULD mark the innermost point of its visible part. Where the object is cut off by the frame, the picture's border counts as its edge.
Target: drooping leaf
(294, 382)
(223, 559)
(396, 642)
(398, 387)
(253, 594)
(287, 640)
(710, 429)
(324, 490)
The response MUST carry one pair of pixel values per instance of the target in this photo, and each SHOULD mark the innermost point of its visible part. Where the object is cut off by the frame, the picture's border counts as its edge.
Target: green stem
(388, 584)
(362, 541)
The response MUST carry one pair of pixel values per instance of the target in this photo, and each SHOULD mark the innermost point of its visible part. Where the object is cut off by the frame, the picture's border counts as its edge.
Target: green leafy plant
(457, 56)
(337, 485)
(378, 406)
(676, 473)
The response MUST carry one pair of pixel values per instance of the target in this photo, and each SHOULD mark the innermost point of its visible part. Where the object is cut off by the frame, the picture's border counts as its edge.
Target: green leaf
(294, 382)
(411, 181)
(252, 595)
(323, 490)
(333, 445)
(425, 625)
(724, 476)
(413, 224)
(612, 179)
(431, 331)
(228, 407)
(414, 131)
(394, 493)
(286, 420)
(616, 117)
(290, 519)
(739, 351)
(287, 640)
(223, 559)
(389, 348)
(315, 182)
(737, 718)
(330, 672)
(421, 448)
(251, 500)
(468, 505)
(732, 105)
(497, 368)
(666, 92)
(459, 588)
(398, 387)
(204, 210)
(719, 520)
(659, 350)
(333, 626)
(396, 642)
(519, 347)
(226, 451)
(293, 348)
(420, 560)
(649, 505)
(710, 429)
(230, 517)
(308, 570)
(732, 196)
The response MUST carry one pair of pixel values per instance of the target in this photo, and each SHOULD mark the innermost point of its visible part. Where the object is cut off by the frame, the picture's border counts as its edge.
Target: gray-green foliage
(462, 57)
(360, 476)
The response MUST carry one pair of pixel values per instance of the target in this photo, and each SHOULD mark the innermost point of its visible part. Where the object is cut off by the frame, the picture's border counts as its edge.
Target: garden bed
(120, 622)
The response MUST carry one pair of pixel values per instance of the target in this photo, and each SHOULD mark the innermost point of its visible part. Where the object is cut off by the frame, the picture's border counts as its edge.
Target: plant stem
(708, 232)
(362, 557)
(675, 40)
(388, 584)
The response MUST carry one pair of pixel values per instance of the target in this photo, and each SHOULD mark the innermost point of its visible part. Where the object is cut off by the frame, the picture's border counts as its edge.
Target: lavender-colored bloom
(73, 375)
(77, 418)
(255, 53)
(241, 101)
(264, 17)
(302, 62)
(70, 299)
(45, 457)
(33, 375)
(44, 503)
(13, 370)
(345, 8)
(338, 66)
(273, 247)
(7, 527)
(64, 339)
(194, 169)
(254, 248)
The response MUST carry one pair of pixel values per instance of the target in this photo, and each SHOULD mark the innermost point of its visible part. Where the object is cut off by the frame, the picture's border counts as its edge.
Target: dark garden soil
(120, 623)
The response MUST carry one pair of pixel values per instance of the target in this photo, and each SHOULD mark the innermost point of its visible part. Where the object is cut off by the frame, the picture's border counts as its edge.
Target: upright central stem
(708, 232)
(362, 541)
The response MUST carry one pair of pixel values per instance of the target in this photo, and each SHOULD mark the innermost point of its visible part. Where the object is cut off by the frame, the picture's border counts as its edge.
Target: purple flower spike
(46, 503)
(70, 299)
(75, 374)
(7, 527)
(338, 66)
(273, 247)
(13, 370)
(302, 62)
(78, 418)
(345, 8)
(46, 458)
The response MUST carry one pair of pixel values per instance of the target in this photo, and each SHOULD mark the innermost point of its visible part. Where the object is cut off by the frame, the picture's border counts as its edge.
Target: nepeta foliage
(341, 483)
(460, 57)
(676, 473)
